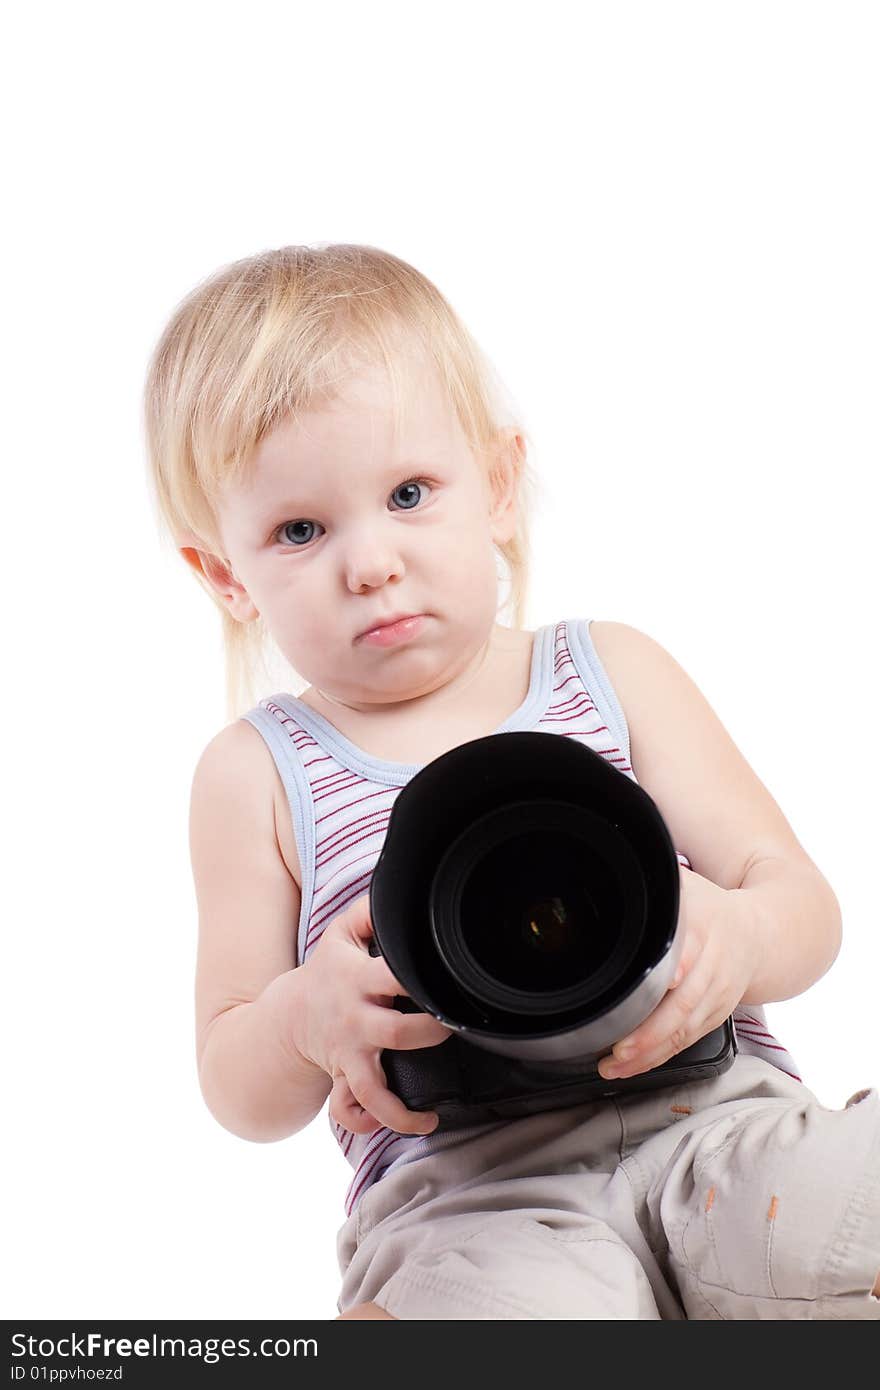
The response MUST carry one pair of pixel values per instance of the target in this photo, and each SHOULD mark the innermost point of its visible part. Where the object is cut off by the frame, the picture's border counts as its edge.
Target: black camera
(527, 895)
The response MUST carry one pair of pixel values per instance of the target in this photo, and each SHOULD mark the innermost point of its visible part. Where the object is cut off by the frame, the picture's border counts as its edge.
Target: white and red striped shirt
(341, 798)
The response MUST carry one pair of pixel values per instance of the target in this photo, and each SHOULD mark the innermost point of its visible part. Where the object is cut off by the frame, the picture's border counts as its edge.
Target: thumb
(358, 919)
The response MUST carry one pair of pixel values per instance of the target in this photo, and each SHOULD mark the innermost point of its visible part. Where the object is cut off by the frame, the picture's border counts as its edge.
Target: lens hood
(527, 894)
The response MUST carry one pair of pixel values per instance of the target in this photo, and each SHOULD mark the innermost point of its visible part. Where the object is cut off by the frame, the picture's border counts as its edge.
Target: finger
(697, 1028)
(370, 1089)
(347, 1111)
(680, 971)
(358, 919)
(690, 997)
(668, 1030)
(390, 1028)
(381, 980)
(691, 949)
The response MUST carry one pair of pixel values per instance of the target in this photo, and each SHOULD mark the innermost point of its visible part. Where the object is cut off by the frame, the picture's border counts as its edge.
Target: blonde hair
(268, 337)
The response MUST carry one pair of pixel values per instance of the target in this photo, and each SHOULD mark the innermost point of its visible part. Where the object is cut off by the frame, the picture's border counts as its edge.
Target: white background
(661, 222)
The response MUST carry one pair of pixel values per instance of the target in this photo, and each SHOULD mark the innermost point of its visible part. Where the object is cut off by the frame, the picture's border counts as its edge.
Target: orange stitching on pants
(680, 1109)
(710, 1199)
(768, 1253)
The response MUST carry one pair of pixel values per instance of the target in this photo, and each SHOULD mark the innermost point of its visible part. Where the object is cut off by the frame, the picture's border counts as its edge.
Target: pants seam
(768, 1257)
(856, 1210)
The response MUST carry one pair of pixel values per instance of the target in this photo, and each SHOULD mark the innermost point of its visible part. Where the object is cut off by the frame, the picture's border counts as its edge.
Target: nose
(372, 558)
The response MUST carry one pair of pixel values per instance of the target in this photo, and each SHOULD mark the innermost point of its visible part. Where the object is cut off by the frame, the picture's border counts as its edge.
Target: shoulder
(235, 758)
(633, 660)
(235, 769)
(663, 707)
(638, 668)
(619, 639)
(655, 692)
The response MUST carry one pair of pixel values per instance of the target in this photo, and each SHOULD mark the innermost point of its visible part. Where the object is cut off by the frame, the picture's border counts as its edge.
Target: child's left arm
(760, 922)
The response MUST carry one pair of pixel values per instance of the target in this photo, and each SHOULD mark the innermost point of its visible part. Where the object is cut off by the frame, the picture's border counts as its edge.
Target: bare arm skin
(253, 1080)
(275, 1040)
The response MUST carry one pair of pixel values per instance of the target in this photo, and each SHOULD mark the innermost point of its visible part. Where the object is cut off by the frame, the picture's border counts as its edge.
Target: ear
(221, 577)
(508, 459)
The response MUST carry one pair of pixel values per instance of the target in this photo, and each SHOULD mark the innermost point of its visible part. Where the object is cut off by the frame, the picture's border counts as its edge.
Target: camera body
(466, 1085)
(527, 895)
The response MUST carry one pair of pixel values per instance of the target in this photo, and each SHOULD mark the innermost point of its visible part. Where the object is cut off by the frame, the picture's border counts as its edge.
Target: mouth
(395, 629)
(387, 622)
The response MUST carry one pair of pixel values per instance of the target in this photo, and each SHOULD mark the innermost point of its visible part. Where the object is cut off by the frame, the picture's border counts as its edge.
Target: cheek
(467, 541)
(466, 565)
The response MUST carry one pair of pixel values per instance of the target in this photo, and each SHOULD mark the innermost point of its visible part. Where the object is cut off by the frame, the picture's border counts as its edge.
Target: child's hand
(348, 1018)
(716, 965)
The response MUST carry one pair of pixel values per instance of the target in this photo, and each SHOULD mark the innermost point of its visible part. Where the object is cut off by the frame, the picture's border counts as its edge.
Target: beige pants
(736, 1197)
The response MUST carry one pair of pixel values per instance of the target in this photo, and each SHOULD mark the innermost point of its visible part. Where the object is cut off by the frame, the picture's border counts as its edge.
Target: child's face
(326, 540)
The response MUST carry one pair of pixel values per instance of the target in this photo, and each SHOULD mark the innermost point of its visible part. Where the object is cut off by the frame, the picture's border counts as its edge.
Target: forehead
(361, 422)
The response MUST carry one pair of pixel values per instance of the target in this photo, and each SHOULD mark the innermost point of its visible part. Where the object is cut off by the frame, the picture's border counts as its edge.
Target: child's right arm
(273, 1040)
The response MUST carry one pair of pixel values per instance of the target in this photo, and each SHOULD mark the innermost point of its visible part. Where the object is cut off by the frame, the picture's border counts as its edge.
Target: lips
(388, 622)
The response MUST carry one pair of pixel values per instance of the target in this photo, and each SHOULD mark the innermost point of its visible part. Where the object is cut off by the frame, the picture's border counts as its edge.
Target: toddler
(330, 454)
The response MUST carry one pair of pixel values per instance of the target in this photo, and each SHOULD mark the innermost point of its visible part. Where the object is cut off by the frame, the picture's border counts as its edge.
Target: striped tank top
(340, 802)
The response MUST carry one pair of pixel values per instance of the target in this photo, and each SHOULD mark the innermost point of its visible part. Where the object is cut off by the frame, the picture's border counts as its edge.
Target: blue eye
(414, 483)
(290, 526)
(286, 532)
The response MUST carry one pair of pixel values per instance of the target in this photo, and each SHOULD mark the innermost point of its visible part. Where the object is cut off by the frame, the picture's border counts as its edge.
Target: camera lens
(537, 912)
(546, 926)
(538, 907)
